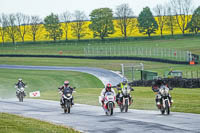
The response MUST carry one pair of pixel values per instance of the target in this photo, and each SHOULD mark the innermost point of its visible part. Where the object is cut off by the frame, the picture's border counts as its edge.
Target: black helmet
(159, 81)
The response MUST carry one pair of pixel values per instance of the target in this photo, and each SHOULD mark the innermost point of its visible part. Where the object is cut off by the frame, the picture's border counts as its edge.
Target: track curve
(92, 119)
(106, 76)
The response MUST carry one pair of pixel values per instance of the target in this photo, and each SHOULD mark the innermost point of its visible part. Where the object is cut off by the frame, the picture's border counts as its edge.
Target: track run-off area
(92, 119)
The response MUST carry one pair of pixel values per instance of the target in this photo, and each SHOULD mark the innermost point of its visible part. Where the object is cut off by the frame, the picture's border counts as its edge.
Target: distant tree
(22, 22)
(125, 19)
(53, 27)
(146, 22)
(3, 24)
(35, 26)
(160, 13)
(11, 28)
(170, 20)
(65, 19)
(182, 9)
(79, 26)
(102, 24)
(194, 24)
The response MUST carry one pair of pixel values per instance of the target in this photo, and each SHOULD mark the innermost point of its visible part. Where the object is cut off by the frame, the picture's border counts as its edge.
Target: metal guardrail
(131, 51)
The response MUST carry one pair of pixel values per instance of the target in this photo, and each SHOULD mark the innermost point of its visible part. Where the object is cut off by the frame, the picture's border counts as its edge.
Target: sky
(43, 8)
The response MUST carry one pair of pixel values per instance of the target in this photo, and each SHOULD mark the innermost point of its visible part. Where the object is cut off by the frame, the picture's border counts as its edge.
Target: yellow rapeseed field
(133, 33)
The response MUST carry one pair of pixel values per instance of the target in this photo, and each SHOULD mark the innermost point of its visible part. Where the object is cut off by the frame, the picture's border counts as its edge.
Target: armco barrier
(173, 82)
(99, 57)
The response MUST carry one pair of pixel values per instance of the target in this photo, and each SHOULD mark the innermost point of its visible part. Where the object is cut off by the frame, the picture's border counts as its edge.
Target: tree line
(177, 14)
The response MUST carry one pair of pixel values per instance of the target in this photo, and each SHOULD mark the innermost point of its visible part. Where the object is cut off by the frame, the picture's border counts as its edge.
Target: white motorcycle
(165, 102)
(20, 93)
(124, 96)
(109, 103)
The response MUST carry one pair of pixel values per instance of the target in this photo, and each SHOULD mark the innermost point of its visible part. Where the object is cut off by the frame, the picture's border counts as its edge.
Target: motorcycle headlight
(68, 95)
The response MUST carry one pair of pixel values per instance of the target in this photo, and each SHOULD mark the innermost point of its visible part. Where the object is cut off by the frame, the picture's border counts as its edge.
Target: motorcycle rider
(19, 84)
(108, 88)
(156, 85)
(61, 90)
(120, 86)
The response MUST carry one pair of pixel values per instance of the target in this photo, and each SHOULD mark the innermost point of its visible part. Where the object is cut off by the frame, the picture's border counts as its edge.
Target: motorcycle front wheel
(110, 108)
(68, 108)
(121, 108)
(167, 108)
(20, 97)
(126, 106)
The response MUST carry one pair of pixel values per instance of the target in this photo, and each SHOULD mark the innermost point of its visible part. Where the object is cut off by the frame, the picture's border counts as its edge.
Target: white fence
(164, 53)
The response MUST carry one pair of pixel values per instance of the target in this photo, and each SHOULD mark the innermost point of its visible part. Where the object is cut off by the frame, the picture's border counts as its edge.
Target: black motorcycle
(67, 100)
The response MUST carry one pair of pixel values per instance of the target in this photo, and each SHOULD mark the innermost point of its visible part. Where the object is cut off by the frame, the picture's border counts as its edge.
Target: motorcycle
(20, 93)
(109, 103)
(67, 100)
(124, 101)
(165, 102)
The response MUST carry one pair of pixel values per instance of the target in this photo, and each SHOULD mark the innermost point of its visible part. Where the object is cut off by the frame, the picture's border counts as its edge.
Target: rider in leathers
(61, 90)
(108, 88)
(119, 88)
(19, 84)
(156, 85)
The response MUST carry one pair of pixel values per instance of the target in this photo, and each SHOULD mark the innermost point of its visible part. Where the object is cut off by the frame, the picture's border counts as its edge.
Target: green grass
(44, 81)
(16, 124)
(77, 48)
(89, 88)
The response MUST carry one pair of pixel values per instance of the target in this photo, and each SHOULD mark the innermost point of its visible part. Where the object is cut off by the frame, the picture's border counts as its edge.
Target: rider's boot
(61, 103)
(170, 100)
(102, 103)
(72, 100)
(158, 103)
(131, 100)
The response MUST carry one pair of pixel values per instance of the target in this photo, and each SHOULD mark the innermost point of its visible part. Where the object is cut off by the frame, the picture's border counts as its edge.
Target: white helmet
(20, 79)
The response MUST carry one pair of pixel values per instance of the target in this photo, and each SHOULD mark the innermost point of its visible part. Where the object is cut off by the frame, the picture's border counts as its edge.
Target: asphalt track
(106, 76)
(92, 119)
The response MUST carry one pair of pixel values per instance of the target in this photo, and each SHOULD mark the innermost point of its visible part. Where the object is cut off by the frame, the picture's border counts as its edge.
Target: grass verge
(17, 124)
